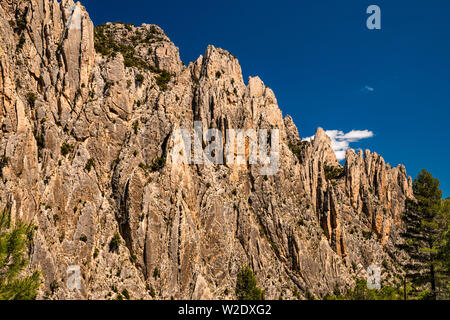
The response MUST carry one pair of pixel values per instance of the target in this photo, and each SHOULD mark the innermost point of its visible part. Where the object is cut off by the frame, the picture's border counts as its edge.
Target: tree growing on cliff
(15, 241)
(422, 233)
(246, 286)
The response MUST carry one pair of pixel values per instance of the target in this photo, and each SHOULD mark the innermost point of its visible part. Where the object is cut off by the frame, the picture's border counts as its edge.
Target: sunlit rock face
(86, 121)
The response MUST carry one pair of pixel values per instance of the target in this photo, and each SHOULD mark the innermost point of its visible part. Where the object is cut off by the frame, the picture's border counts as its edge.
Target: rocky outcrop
(86, 123)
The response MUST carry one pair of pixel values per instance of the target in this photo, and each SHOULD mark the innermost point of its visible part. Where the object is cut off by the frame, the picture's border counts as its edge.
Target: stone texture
(82, 130)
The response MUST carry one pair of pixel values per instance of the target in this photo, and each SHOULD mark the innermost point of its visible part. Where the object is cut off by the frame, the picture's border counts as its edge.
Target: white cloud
(368, 89)
(340, 141)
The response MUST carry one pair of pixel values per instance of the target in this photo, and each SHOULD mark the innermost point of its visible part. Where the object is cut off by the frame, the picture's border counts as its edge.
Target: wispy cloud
(341, 141)
(368, 89)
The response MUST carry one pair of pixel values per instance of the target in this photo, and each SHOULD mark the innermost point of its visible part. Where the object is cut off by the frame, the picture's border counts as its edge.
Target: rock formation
(86, 119)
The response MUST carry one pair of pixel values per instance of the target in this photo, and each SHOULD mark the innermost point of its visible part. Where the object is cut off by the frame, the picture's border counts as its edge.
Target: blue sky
(326, 68)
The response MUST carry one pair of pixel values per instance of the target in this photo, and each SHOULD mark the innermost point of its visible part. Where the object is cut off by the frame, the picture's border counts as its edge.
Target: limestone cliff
(86, 117)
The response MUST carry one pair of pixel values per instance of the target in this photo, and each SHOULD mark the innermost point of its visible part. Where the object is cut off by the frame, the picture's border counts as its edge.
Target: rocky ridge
(86, 117)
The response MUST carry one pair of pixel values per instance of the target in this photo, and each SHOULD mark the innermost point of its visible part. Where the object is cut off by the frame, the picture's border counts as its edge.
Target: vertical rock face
(86, 122)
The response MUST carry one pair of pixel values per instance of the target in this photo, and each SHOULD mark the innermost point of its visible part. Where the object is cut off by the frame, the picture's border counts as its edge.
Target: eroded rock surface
(86, 119)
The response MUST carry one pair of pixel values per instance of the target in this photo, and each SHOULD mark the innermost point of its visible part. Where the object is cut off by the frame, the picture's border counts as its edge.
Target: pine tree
(246, 286)
(422, 233)
(443, 254)
(14, 244)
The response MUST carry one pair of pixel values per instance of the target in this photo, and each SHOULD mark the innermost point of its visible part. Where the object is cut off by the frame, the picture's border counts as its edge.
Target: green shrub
(89, 165)
(136, 127)
(4, 161)
(156, 273)
(66, 149)
(163, 80)
(158, 164)
(362, 292)
(297, 148)
(54, 286)
(21, 25)
(83, 238)
(367, 234)
(31, 99)
(139, 78)
(152, 292)
(20, 44)
(115, 243)
(126, 294)
(246, 286)
(334, 173)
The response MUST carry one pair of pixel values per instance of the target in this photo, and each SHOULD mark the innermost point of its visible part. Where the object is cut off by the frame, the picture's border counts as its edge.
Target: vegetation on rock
(246, 286)
(15, 241)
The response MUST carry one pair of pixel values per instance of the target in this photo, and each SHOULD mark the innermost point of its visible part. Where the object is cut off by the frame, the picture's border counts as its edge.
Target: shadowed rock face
(83, 125)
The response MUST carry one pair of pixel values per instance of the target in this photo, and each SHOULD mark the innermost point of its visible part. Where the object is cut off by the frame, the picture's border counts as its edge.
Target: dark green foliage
(89, 165)
(218, 74)
(4, 161)
(309, 295)
(424, 221)
(19, 26)
(136, 127)
(443, 250)
(156, 273)
(163, 80)
(66, 149)
(106, 45)
(246, 286)
(152, 292)
(334, 173)
(129, 26)
(40, 143)
(54, 286)
(139, 79)
(362, 292)
(83, 238)
(133, 257)
(126, 294)
(114, 245)
(367, 234)
(298, 148)
(15, 241)
(296, 294)
(158, 164)
(20, 44)
(31, 99)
